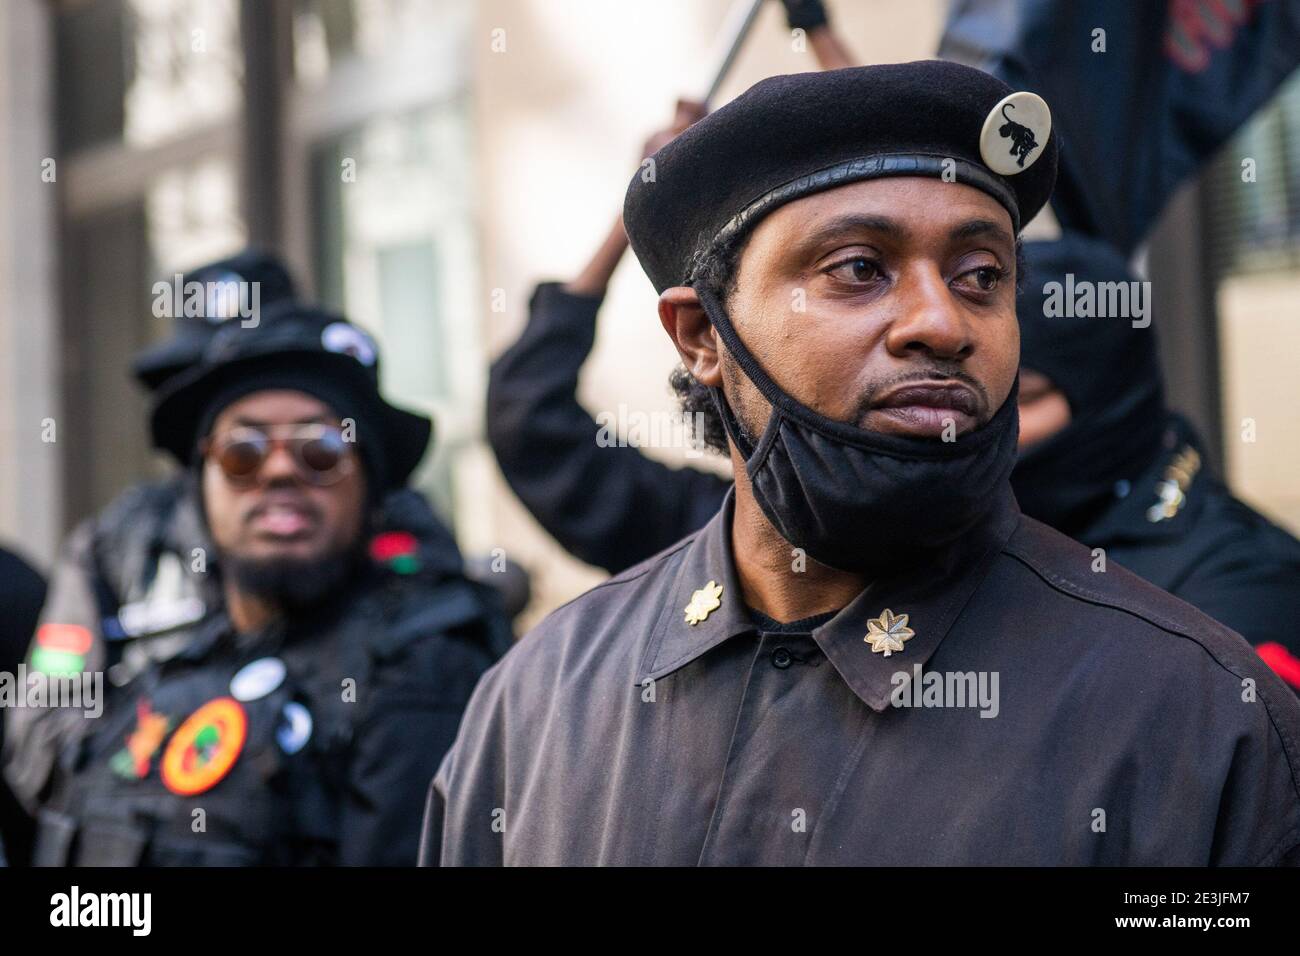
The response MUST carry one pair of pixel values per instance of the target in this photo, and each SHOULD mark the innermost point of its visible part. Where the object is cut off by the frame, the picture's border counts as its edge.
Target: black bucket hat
(297, 347)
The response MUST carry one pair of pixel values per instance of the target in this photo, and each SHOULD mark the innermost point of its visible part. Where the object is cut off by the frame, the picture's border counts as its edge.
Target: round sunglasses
(320, 454)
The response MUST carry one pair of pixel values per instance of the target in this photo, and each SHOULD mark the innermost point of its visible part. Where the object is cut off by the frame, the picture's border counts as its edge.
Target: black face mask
(860, 500)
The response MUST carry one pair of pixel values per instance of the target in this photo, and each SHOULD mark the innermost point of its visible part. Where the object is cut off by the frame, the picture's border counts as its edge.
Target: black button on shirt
(782, 657)
(1126, 727)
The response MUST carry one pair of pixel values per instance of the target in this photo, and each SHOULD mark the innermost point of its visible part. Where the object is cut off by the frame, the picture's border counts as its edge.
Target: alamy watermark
(641, 429)
(215, 301)
(37, 689)
(133, 911)
(973, 689)
(1085, 299)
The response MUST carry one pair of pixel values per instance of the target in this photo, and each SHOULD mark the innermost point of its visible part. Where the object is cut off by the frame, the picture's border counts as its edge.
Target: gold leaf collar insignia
(888, 633)
(703, 603)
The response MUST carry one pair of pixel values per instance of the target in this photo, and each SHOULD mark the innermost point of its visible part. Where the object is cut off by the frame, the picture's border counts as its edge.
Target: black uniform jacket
(1199, 542)
(1104, 722)
(610, 506)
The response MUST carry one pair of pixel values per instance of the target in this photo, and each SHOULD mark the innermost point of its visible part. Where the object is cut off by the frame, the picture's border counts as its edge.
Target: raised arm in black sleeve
(609, 506)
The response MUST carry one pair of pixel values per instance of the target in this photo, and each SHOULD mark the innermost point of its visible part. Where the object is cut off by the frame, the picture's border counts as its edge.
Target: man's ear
(689, 327)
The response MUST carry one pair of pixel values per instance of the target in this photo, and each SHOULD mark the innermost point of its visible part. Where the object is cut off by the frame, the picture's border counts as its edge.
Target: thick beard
(292, 584)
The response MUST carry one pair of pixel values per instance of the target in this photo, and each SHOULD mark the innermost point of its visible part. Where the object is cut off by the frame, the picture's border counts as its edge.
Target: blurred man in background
(323, 690)
(127, 582)
(124, 584)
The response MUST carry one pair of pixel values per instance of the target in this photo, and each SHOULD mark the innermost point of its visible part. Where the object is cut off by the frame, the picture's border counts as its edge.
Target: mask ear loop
(783, 405)
(749, 365)
(730, 424)
(753, 371)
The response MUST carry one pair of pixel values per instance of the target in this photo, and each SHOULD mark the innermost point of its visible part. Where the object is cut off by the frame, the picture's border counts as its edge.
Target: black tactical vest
(122, 796)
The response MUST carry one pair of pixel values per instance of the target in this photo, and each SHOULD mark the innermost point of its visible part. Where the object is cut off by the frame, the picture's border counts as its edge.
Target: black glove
(805, 15)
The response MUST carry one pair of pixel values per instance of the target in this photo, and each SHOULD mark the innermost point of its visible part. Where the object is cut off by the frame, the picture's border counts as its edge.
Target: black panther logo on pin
(1022, 137)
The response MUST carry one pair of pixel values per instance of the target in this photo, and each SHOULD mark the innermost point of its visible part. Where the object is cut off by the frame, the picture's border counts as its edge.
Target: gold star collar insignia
(703, 603)
(888, 633)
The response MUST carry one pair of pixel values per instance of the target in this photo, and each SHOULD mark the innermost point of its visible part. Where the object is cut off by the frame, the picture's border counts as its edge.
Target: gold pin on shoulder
(888, 633)
(1171, 492)
(703, 603)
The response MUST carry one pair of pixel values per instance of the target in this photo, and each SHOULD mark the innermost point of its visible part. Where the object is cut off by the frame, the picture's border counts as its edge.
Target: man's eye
(855, 270)
(985, 278)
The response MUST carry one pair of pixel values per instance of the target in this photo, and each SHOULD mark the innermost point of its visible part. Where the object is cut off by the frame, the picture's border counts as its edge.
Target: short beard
(292, 584)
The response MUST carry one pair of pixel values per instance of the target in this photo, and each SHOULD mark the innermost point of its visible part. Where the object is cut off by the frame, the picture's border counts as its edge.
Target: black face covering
(860, 500)
(1110, 375)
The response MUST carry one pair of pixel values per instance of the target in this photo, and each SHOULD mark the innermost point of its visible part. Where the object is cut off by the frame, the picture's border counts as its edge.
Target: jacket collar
(707, 560)
(931, 595)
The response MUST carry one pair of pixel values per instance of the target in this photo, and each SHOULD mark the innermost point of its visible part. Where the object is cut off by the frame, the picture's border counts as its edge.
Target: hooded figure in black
(1128, 475)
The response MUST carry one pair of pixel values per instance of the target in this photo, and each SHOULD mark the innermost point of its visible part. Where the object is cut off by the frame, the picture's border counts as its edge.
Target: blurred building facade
(421, 164)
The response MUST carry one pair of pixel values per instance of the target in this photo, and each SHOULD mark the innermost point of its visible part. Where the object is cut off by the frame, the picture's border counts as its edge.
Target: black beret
(789, 136)
(296, 347)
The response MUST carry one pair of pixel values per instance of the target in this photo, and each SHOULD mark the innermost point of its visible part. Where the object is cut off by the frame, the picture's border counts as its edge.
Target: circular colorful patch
(205, 747)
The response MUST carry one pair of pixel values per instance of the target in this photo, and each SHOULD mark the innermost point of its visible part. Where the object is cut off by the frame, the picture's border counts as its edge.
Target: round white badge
(293, 734)
(1015, 133)
(223, 295)
(257, 679)
(347, 339)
